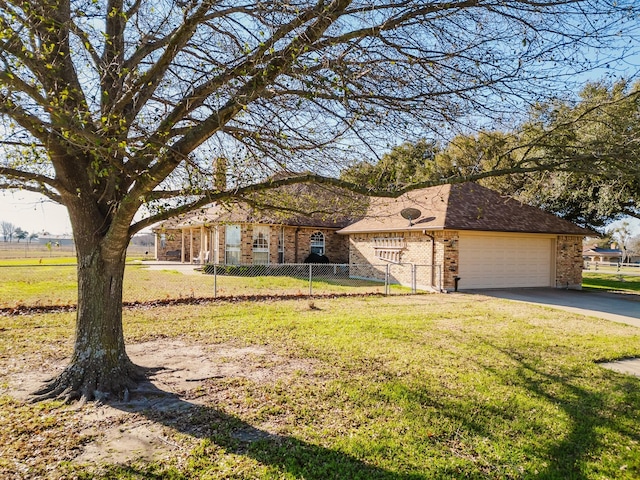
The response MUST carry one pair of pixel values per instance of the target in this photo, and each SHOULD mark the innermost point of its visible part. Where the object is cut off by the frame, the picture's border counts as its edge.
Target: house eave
(347, 231)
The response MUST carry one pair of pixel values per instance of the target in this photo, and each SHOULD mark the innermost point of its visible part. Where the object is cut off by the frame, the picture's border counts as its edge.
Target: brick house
(598, 254)
(463, 235)
(241, 235)
(475, 237)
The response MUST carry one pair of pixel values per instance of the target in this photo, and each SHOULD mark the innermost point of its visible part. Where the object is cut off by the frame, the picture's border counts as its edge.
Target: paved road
(618, 308)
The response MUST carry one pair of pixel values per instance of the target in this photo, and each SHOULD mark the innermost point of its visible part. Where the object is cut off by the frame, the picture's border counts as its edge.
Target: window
(232, 245)
(260, 245)
(317, 243)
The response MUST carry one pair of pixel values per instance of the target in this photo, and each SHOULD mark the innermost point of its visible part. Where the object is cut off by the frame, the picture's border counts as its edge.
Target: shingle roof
(464, 206)
(613, 252)
(332, 207)
(243, 213)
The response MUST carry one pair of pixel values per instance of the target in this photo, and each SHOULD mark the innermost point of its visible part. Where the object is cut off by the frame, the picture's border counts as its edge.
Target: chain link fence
(38, 284)
(41, 284)
(326, 278)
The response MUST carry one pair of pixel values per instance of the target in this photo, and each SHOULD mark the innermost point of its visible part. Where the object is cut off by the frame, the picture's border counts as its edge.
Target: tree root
(86, 383)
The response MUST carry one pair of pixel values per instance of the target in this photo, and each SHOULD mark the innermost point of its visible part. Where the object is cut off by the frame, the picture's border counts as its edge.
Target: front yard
(428, 386)
(613, 282)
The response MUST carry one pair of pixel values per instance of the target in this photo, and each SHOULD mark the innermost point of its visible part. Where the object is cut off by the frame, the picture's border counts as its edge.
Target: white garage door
(504, 261)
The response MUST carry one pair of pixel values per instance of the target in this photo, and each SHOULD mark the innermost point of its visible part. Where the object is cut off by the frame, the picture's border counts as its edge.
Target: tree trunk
(99, 367)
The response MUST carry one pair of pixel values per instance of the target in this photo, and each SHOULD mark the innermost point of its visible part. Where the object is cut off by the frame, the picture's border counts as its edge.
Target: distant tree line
(11, 232)
(577, 159)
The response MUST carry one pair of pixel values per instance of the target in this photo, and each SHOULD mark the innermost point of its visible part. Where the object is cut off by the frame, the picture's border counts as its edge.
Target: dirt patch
(156, 421)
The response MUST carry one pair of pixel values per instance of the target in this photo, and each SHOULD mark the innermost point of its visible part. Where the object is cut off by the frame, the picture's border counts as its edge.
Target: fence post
(386, 280)
(215, 281)
(310, 279)
(414, 286)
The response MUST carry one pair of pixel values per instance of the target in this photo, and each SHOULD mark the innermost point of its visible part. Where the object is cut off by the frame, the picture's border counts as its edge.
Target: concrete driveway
(618, 308)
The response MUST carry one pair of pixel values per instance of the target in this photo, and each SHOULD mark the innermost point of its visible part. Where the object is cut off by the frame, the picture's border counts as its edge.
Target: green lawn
(420, 387)
(54, 282)
(615, 282)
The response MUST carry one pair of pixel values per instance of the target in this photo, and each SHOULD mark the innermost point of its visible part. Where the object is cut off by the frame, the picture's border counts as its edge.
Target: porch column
(203, 247)
(182, 245)
(190, 245)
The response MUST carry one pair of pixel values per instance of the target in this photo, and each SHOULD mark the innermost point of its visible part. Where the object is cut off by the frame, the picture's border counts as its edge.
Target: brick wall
(440, 248)
(569, 262)
(290, 245)
(361, 252)
(246, 241)
(297, 244)
(336, 246)
(417, 249)
(447, 255)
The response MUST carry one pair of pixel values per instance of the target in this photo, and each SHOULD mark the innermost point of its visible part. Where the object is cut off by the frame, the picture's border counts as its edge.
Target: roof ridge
(463, 206)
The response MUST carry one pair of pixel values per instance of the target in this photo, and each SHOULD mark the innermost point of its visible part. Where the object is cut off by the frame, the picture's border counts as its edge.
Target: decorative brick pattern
(417, 249)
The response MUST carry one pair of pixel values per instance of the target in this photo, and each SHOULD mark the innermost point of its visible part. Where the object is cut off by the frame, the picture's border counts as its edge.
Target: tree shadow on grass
(590, 413)
(224, 434)
(599, 424)
(597, 419)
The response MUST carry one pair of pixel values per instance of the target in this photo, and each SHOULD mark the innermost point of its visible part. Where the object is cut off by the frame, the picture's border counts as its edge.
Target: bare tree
(8, 230)
(634, 247)
(622, 235)
(111, 107)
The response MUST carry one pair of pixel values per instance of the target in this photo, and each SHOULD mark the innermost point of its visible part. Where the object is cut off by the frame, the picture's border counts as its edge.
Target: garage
(467, 236)
(500, 261)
